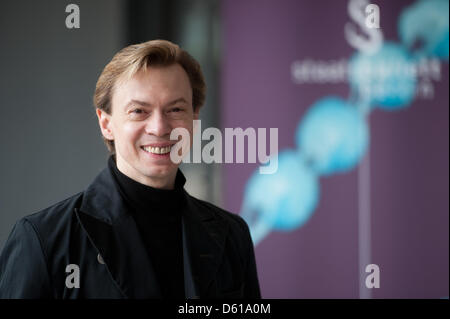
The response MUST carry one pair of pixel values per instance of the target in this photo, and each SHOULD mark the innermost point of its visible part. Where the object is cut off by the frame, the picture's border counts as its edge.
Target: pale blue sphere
(425, 23)
(386, 78)
(333, 136)
(286, 199)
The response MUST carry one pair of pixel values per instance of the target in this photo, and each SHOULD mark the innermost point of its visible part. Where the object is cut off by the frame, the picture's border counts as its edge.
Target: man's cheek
(130, 136)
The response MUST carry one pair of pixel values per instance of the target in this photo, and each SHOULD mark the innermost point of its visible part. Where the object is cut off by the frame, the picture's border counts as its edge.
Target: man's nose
(158, 125)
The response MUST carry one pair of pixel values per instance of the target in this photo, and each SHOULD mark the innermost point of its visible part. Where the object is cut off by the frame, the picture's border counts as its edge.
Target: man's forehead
(151, 95)
(155, 76)
(173, 71)
(146, 103)
(146, 86)
(126, 98)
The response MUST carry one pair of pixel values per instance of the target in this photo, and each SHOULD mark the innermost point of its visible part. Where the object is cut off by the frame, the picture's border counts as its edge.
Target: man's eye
(138, 114)
(176, 109)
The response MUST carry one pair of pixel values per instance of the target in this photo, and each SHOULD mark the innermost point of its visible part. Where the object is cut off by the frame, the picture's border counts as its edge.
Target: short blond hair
(131, 59)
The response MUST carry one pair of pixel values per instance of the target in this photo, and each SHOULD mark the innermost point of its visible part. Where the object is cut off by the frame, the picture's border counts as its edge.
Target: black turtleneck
(157, 213)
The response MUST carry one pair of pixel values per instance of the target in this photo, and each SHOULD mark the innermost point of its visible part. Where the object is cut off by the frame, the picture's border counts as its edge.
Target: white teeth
(157, 150)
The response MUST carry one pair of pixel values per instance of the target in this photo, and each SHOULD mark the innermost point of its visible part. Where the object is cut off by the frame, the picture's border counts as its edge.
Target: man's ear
(104, 120)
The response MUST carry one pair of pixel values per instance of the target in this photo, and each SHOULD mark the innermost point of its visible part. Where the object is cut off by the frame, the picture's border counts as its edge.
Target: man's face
(145, 110)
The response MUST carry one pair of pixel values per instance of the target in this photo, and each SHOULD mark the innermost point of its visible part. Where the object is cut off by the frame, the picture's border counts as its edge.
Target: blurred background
(361, 112)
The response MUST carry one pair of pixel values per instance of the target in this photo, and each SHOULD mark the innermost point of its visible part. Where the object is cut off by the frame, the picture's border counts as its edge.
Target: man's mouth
(157, 150)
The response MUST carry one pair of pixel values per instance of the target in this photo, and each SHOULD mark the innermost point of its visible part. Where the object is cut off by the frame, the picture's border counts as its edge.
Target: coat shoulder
(53, 220)
(55, 213)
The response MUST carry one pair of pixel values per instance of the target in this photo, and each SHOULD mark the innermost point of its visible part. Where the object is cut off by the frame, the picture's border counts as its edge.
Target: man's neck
(164, 182)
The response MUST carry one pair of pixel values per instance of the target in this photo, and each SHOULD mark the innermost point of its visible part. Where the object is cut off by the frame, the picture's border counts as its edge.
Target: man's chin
(159, 171)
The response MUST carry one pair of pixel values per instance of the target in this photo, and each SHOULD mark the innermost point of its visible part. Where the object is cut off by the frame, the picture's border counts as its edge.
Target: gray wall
(50, 142)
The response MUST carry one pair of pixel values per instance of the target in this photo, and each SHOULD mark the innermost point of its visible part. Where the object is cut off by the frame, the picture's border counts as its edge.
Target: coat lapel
(205, 239)
(114, 233)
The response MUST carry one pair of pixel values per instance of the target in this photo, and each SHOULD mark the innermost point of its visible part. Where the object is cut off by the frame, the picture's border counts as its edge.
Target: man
(135, 232)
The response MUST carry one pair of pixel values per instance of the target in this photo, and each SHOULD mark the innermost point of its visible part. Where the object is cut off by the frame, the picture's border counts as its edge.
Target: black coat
(93, 231)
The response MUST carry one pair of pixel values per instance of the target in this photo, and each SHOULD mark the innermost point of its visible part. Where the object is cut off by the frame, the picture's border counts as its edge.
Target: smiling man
(147, 108)
(135, 232)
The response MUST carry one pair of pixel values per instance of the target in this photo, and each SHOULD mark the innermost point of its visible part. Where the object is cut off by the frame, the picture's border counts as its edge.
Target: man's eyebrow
(143, 103)
(181, 99)
(132, 102)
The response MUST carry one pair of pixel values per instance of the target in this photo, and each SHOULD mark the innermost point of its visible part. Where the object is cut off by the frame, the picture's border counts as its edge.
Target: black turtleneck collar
(158, 215)
(146, 198)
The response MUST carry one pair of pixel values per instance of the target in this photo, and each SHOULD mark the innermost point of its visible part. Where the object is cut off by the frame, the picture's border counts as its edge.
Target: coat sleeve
(23, 266)
(251, 288)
